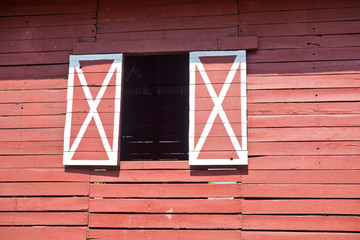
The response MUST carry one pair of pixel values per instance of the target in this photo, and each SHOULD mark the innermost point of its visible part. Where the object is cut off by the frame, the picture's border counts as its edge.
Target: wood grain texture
(44, 204)
(44, 189)
(257, 235)
(37, 233)
(167, 176)
(299, 206)
(165, 205)
(44, 218)
(166, 190)
(301, 176)
(99, 234)
(44, 175)
(301, 190)
(322, 223)
(164, 221)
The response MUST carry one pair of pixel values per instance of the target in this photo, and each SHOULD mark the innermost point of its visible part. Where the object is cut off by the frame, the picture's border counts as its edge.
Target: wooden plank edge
(168, 45)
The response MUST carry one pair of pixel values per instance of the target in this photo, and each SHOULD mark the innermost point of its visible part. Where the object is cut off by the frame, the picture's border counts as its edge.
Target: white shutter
(93, 110)
(217, 118)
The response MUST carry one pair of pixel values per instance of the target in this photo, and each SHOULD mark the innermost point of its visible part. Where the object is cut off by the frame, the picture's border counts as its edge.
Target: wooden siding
(302, 180)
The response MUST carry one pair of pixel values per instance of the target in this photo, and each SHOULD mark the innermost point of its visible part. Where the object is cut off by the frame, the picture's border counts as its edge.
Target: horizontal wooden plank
(318, 223)
(166, 176)
(161, 10)
(43, 175)
(274, 235)
(306, 68)
(302, 134)
(40, 233)
(32, 161)
(303, 108)
(42, 134)
(302, 81)
(163, 221)
(301, 176)
(303, 54)
(304, 162)
(154, 165)
(29, 45)
(318, 206)
(19, 122)
(255, 6)
(110, 234)
(169, 45)
(48, 20)
(265, 121)
(34, 71)
(34, 84)
(166, 190)
(301, 190)
(169, 34)
(282, 42)
(301, 29)
(165, 205)
(309, 95)
(10, 34)
(304, 148)
(163, 23)
(45, 189)
(16, 109)
(298, 16)
(48, 8)
(44, 204)
(43, 218)
(58, 57)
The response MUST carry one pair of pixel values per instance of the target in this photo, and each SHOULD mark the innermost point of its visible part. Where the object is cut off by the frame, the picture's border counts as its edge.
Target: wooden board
(44, 218)
(44, 204)
(305, 162)
(164, 221)
(301, 176)
(167, 176)
(299, 206)
(165, 205)
(44, 189)
(301, 190)
(259, 235)
(194, 190)
(44, 175)
(317, 223)
(36, 233)
(100, 234)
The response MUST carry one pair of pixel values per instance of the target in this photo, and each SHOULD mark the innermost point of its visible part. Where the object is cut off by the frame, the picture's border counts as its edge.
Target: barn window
(154, 123)
(173, 107)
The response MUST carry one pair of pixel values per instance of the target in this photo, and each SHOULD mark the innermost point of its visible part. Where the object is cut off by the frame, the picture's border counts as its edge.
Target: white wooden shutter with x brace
(93, 110)
(217, 114)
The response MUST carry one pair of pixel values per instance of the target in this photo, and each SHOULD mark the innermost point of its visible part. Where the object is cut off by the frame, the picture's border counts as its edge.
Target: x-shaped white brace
(93, 113)
(217, 109)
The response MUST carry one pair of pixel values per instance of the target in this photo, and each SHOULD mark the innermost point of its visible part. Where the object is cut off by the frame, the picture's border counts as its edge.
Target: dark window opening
(155, 117)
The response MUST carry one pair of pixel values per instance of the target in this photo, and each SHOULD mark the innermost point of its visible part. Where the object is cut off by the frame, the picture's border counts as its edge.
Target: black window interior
(154, 115)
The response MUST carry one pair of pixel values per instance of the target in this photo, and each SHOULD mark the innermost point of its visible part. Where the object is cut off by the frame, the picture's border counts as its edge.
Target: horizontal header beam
(167, 45)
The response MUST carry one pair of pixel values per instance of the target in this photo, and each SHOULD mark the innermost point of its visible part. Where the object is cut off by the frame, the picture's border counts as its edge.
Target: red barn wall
(303, 176)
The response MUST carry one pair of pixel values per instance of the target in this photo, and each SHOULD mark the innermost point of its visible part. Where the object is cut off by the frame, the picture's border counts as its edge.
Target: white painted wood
(239, 63)
(74, 68)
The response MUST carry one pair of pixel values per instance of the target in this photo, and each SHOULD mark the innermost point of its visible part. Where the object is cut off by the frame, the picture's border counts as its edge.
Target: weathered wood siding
(303, 177)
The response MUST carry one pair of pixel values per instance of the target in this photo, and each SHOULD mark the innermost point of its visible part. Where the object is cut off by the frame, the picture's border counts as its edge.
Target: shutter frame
(194, 147)
(111, 151)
